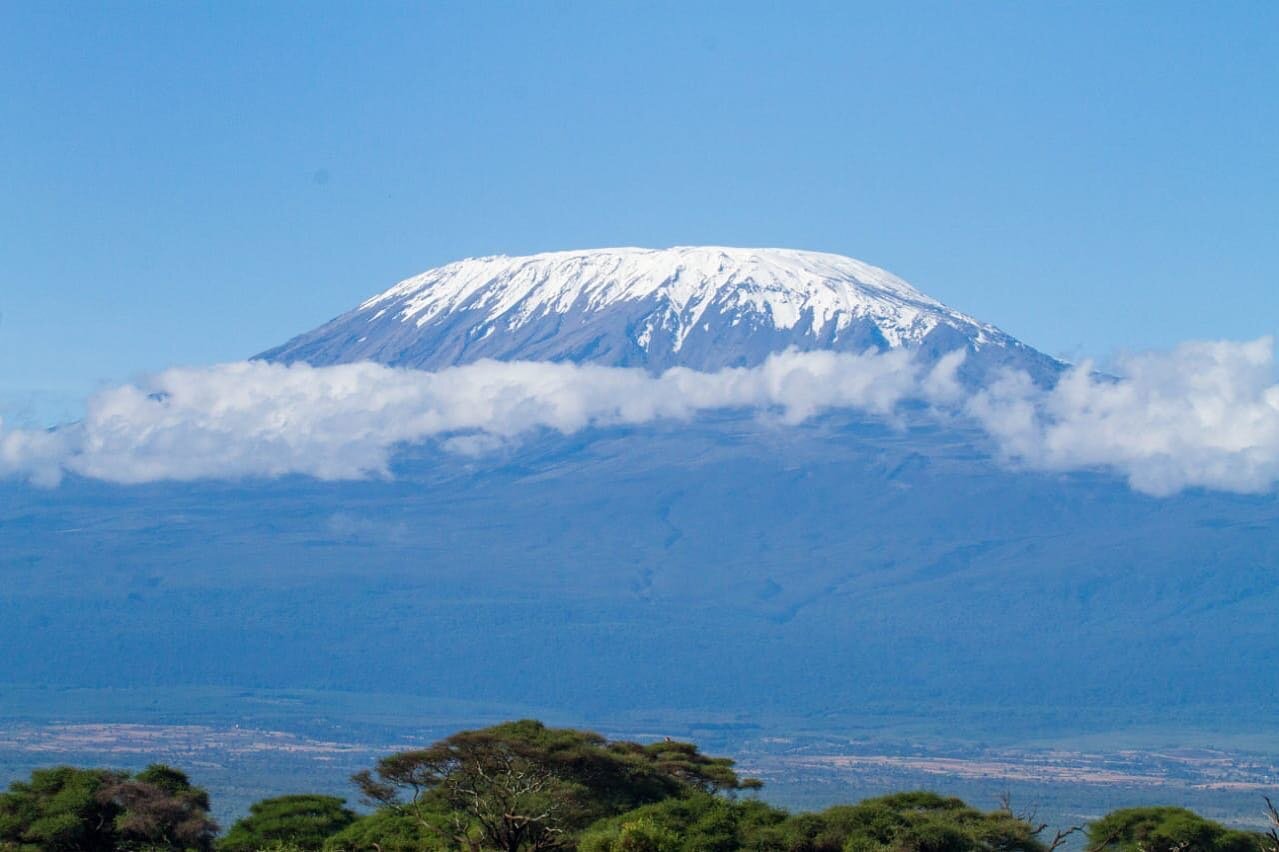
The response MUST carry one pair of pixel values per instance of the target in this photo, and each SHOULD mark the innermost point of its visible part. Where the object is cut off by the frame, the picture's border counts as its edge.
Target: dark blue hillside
(724, 570)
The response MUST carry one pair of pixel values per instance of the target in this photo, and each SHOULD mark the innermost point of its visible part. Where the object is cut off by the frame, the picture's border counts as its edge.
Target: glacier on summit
(698, 307)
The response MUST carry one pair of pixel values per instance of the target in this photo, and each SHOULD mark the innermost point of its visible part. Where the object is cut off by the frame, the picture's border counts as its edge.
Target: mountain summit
(699, 307)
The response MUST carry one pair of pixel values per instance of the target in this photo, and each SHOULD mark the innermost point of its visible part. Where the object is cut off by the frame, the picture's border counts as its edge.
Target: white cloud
(35, 455)
(1202, 415)
(257, 419)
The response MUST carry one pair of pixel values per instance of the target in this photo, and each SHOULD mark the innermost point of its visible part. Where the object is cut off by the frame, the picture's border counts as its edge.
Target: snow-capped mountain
(700, 307)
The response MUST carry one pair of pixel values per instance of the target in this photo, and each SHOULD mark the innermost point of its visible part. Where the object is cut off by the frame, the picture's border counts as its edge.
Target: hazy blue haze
(195, 183)
(728, 569)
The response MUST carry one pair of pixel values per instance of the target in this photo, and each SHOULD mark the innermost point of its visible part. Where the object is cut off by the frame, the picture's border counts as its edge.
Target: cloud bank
(1203, 415)
(257, 419)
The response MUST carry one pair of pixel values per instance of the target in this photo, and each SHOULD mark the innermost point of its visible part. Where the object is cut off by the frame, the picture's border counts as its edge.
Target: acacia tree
(497, 798)
(523, 786)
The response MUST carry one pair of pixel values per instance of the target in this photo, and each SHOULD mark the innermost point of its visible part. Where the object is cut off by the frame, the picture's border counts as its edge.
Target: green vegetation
(305, 821)
(1166, 830)
(96, 810)
(904, 821)
(524, 787)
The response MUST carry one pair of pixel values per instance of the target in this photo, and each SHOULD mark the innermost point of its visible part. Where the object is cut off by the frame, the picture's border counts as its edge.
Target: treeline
(524, 787)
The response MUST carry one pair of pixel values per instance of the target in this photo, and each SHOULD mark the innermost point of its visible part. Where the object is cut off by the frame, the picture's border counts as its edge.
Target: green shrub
(304, 821)
(391, 831)
(1164, 829)
(65, 809)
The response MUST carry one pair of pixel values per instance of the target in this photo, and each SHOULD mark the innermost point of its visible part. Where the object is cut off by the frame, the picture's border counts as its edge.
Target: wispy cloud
(1202, 415)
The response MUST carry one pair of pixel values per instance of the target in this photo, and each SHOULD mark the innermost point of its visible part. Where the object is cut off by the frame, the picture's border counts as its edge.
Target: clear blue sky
(189, 183)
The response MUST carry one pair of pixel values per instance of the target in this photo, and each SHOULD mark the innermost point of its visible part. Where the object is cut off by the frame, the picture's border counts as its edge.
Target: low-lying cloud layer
(258, 419)
(1205, 414)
